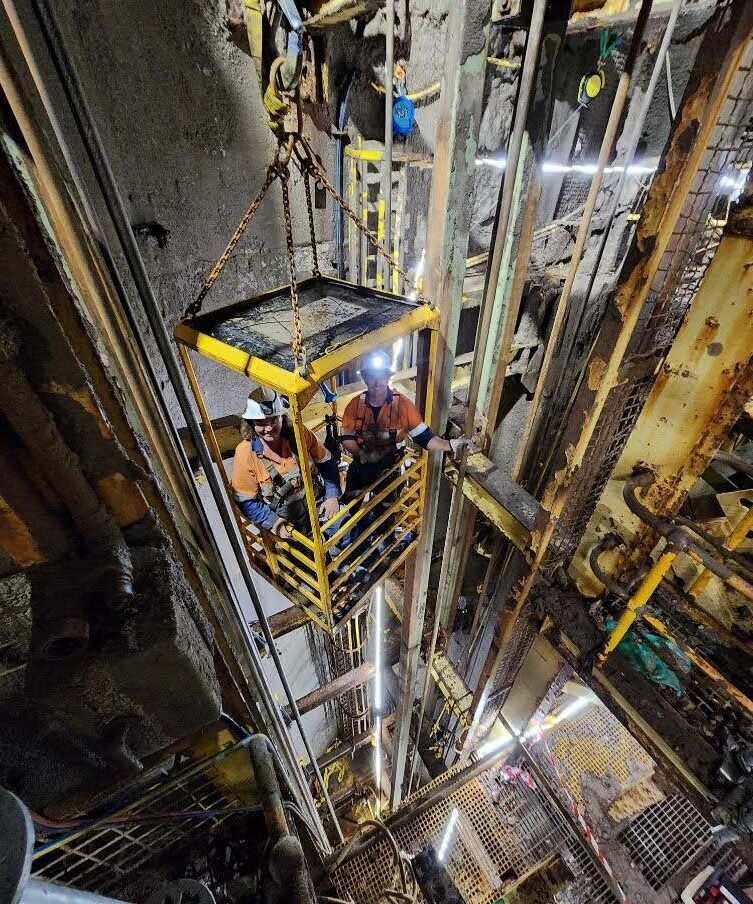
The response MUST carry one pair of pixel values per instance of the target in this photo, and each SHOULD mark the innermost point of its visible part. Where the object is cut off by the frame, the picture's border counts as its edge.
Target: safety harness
(285, 493)
(389, 437)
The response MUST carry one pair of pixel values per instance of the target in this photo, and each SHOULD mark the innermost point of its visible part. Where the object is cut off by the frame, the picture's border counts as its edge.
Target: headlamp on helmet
(377, 363)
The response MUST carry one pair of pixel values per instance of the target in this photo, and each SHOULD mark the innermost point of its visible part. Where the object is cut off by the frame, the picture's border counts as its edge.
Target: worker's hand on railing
(462, 442)
(329, 508)
(282, 529)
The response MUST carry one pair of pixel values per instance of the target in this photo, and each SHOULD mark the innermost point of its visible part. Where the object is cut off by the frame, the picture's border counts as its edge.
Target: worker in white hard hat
(376, 424)
(267, 483)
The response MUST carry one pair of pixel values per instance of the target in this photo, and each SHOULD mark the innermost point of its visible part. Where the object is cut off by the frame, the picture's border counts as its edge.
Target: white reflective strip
(417, 431)
(327, 457)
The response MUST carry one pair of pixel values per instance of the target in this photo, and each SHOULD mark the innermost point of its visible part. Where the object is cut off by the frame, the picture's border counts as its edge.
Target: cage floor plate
(332, 314)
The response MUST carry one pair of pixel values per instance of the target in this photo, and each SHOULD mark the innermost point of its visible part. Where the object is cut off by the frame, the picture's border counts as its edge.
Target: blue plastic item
(329, 396)
(403, 116)
(637, 650)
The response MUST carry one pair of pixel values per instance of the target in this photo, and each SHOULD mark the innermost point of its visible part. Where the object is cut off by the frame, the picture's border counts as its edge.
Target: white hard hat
(263, 403)
(378, 362)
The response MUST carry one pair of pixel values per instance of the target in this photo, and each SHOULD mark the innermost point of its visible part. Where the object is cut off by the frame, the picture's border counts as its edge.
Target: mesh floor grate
(593, 743)
(501, 831)
(96, 858)
(665, 837)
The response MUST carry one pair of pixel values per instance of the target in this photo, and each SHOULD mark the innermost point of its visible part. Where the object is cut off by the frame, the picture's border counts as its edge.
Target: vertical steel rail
(659, 63)
(386, 171)
(446, 249)
(501, 235)
(584, 230)
(97, 157)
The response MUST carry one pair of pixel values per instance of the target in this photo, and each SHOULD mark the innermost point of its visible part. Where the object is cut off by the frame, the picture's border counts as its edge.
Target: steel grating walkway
(502, 830)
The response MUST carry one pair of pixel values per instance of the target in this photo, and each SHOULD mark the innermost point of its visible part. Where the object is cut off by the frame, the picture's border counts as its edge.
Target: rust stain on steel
(18, 540)
(709, 84)
(596, 369)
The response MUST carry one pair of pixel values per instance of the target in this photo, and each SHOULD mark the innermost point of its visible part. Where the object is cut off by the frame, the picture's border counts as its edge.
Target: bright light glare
(417, 276)
(586, 169)
(492, 746)
(735, 184)
(568, 712)
(378, 596)
(396, 349)
(420, 267)
(447, 837)
(498, 162)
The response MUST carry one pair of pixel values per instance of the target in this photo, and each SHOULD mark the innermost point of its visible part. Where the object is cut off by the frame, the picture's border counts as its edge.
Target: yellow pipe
(639, 599)
(737, 536)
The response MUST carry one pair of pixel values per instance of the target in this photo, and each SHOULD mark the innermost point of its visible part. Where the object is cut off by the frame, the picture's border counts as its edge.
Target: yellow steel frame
(294, 383)
(310, 570)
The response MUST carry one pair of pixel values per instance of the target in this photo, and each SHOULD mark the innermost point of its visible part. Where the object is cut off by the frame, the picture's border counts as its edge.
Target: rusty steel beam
(284, 622)
(336, 688)
(454, 168)
(347, 682)
(723, 47)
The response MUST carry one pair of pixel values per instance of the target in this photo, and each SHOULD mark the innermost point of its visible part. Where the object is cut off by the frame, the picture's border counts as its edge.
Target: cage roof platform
(340, 322)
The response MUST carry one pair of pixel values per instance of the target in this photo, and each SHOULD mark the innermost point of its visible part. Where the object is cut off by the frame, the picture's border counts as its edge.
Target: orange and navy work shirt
(388, 424)
(250, 470)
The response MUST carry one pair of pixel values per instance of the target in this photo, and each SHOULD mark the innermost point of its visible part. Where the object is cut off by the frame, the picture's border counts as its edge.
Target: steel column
(725, 40)
(446, 250)
(460, 526)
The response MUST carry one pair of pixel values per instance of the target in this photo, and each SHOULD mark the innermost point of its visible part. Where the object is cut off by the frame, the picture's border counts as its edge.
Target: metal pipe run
(584, 230)
(637, 132)
(501, 230)
(734, 461)
(740, 532)
(638, 600)
(679, 536)
(38, 892)
(385, 188)
(95, 152)
(610, 541)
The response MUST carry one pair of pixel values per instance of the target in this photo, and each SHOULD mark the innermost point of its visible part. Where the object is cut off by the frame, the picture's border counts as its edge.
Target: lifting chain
(195, 307)
(297, 344)
(279, 169)
(309, 162)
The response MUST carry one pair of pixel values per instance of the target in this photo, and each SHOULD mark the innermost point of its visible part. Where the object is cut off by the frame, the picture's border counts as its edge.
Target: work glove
(462, 442)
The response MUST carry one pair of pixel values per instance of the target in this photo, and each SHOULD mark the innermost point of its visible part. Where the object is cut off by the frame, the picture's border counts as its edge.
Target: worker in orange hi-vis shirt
(376, 424)
(267, 483)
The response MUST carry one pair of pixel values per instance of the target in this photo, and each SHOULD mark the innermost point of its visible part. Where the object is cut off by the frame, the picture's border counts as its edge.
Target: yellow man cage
(339, 323)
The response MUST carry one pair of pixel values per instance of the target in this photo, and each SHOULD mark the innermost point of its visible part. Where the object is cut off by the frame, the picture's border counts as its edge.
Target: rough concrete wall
(179, 110)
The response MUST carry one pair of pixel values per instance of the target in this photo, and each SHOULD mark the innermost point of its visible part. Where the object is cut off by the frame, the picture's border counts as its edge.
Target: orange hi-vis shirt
(250, 471)
(397, 418)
